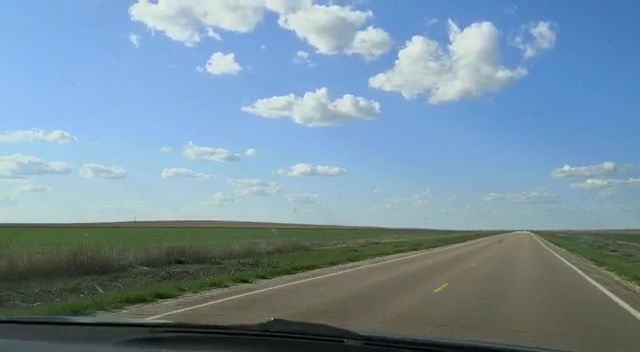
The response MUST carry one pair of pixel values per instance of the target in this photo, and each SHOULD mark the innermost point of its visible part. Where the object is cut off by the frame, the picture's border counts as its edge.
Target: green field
(30, 238)
(82, 269)
(616, 251)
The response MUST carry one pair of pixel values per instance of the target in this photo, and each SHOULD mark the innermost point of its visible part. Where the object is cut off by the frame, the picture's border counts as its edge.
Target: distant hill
(184, 223)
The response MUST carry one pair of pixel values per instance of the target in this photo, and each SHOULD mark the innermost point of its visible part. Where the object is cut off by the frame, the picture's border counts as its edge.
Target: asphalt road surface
(512, 288)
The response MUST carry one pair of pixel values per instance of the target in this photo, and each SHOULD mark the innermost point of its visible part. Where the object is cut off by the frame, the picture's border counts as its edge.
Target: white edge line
(604, 290)
(197, 306)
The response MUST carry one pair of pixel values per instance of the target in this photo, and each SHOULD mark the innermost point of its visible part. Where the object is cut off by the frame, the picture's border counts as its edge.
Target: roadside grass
(28, 253)
(152, 285)
(616, 252)
(91, 258)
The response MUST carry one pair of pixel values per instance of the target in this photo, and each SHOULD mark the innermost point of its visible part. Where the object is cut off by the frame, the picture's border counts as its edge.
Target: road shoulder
(623, 289)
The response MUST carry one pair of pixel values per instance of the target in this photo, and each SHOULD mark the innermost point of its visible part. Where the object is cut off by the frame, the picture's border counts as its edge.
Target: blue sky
(497, 114)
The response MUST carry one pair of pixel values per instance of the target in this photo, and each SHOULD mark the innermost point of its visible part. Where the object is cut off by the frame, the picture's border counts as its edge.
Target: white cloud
(315, 108)
(377, 191)
(607, 168)
(431, 21)
(608, 192)
(305, 169)
(330, 29)
(254, 187)
(333, 29)
(511, 10)
(166, 149)
(607, 187)
(220, 155)
(534, 197)
(32, 188)
(134, 39)
(102, 171)
(287, 6)
(300, 198)
(19, 165)
(219, 199)
(250, 152)
(57, 136)
(419, 199)
(542, 38)
(222, 64)
(302, 58)
(189, 21)
(469, 66)
(371, 43)
(541, 196)
(182, 172)
(489, 197)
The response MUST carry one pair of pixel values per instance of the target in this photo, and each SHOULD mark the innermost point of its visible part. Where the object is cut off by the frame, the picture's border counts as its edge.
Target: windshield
(465, 171)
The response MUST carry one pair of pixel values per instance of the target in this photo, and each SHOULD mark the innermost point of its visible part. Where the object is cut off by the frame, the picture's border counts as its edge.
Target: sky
(439, 114)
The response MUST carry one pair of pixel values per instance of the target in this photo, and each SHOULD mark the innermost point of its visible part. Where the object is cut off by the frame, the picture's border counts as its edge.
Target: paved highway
(512, 288)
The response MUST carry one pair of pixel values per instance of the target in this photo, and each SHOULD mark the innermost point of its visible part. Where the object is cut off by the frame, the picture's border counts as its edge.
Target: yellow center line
(442, 287)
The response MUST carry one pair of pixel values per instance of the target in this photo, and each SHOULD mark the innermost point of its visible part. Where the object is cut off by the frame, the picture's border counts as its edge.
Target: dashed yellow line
(442, 287)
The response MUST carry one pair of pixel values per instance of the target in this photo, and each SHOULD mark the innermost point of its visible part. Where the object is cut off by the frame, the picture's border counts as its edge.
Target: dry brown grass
(92, 259)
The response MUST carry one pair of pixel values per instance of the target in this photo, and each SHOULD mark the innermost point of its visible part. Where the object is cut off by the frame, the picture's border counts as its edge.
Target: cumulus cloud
(182, 172)
(219, 199)
(250, 152)
(302, 58)
(370, 43)
(222, 64)
(102, 171)
(134, 39)
(220, 155)
(469, 66)
(57, 136)
(301, 198)
(254, 187)
(541, 196)
(305, 169)
(19, 165)
(607, 168)
(32, 188)
(332, 29)
(377, 191)
(536, 38)
(607, 187)
(189, 21)
(315, 109)
(166, 149)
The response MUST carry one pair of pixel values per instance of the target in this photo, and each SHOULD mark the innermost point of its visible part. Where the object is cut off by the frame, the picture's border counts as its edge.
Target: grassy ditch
(618, 252)
(91, 293)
